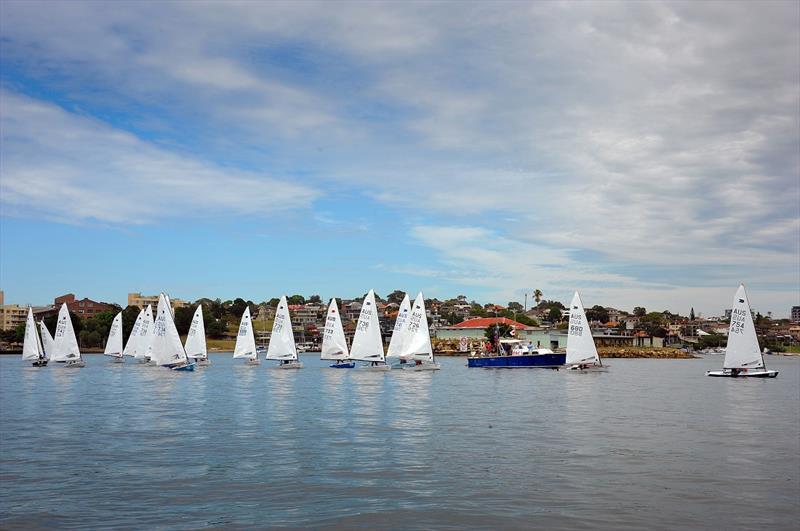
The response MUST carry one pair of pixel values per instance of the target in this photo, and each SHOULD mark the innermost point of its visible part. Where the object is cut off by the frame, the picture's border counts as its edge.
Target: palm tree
(537, 295)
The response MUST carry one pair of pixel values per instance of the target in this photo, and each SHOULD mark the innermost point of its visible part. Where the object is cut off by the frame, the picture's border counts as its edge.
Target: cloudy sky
(644, 153)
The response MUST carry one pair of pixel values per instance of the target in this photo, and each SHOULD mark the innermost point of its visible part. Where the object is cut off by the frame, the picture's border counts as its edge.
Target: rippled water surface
(650, 444)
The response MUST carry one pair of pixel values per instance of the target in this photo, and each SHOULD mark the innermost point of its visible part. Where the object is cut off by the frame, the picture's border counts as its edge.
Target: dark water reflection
(651, 444)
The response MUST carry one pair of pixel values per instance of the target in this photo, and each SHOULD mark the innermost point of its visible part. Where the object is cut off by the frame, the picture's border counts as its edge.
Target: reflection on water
(650, 444)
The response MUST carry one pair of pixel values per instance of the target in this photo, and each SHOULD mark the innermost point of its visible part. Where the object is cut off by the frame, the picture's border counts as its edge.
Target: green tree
(316, 299)
(19, 333)
(129, 316)
(183, 319)
(554, 316)
(238, 307)
(215, 328)
(51, 321)
(597, 313)
(396, 296)
(515, 306)
(691, 314)
(639, 311)
(537, 295)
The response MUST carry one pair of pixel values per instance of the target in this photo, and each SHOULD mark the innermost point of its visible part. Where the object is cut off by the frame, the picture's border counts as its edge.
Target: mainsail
(47, 340)
(400, 331)
(418, 340)
(144, 343)
(196, 338)
(133, 338)
(334, 343)
(281, 342)
(245, 340)
(367, 342)
(166, 347)
(114, 342)
(31, 348)
(742, 350)
(65, 345)
(580, 344)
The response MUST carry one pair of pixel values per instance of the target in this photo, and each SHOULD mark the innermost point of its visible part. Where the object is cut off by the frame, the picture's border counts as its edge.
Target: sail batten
(281, 341)
(334, 342)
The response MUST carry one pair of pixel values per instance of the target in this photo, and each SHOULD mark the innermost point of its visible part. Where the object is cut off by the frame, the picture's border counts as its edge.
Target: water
(650, 444)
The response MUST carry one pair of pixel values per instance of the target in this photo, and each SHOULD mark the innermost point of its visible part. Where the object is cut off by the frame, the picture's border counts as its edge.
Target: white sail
(334, 343)
(418, 340)
(367, 343)
(31, 348)
(146, 331)
(65, 345)
(281, 342)
(245, 340)
(580, 344)
(165, 347)
(400, 331)
(196, 338)
(133, 339)
(47, 340)
(742, 350)
(114, 342)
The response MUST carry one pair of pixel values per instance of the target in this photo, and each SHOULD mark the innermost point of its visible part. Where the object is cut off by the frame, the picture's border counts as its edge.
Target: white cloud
(74, 168)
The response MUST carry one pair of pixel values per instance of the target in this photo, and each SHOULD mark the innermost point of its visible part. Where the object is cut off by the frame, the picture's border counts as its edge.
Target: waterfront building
(796, 314)
(141, 301)
(11, 315)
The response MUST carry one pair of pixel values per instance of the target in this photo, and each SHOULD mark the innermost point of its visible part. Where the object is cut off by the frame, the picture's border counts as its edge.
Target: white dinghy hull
(203, 362)
(589, 368)
(116, 359)
(253, 362)
(379, 367)
(75, 364)
(423, 367)
(290, 365)
(744, 373)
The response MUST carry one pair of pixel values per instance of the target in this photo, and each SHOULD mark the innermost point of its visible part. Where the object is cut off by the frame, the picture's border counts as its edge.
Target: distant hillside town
(456, 320)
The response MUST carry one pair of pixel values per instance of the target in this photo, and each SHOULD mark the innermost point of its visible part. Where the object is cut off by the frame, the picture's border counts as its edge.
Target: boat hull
(375, 368)
(542, 361)
(253, 362)
(290, 365)
(115, 359)
(203, 362)
(75, 364)
(423, 367)
(760, 373)
(187, 367)
(40, 363)
(344, 365)
(589, 368)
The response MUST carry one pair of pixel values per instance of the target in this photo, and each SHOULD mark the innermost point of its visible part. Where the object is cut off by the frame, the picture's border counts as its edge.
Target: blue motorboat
(541, 358)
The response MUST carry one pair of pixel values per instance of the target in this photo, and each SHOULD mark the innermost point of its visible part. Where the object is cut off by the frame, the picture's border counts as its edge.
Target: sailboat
(31, 347)
(145, 337)
(581, 351)
(134, 337)
(334, 343)
(367, 342)
(399, 334)
(65, 345)
(47, 340)
(417, 345)
(743, 357)
(165, 347)
(246, 341)
(281, 343)
(196, 339)
(114, 342)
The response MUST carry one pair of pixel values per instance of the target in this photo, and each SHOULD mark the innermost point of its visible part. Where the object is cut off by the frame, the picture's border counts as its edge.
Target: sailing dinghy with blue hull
(334, 342)
(743, 357)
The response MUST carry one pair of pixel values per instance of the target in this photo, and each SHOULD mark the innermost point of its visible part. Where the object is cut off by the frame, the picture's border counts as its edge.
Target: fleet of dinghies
(156, 340)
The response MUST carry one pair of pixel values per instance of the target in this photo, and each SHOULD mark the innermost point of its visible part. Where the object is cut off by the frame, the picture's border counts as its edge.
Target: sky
(642, 153)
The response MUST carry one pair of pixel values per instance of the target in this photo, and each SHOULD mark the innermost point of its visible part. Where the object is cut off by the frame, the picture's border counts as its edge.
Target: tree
(129, 316)
(597, 313)
(238, 307)
(396, 296)
(215, 328)
(639, 311)
(554, 316)
(691, 314)
(183, 319)
(273, 302)
(19, 333)
(316, 299)
(296, 299)
(51, 321)
(500, 331)
(537, 295)
(515, 306)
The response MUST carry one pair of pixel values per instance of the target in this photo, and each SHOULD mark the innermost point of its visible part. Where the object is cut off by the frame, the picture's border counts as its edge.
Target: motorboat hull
(759, 373)
(542, 361)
